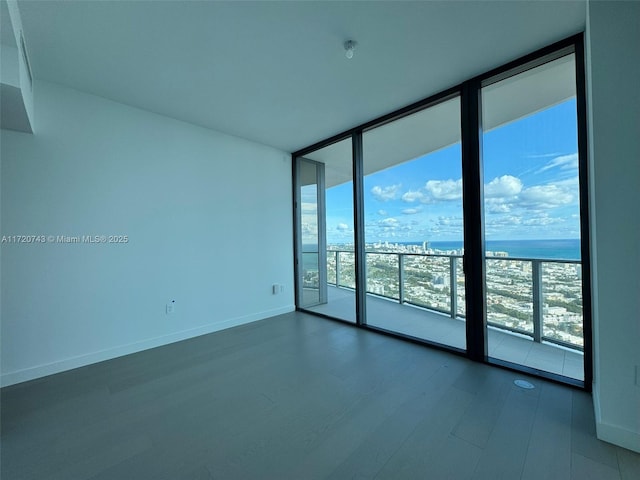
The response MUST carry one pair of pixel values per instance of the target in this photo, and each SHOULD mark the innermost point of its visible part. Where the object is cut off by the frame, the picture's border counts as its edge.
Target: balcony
(534, 306)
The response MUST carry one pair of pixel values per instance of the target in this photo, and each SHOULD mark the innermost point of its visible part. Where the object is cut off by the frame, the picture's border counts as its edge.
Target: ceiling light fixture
(349, 46)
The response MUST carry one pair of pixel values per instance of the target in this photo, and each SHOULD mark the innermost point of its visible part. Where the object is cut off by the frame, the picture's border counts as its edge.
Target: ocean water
(566, 249)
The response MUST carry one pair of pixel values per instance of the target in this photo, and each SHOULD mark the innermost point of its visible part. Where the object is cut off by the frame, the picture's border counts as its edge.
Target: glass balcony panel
(462, 307)
(509, 294)
(382, 275)
(427, 282)
(347, 262)
(562, 303)
(331, 267)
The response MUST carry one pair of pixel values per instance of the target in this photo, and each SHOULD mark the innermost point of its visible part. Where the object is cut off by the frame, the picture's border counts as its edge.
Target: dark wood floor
(298, 397)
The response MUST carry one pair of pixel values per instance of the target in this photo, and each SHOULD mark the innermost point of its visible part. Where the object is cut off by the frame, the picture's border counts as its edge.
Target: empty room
(313, 239)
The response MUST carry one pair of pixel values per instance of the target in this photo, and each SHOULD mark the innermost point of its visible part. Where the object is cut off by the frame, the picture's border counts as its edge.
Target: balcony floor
(441, 328)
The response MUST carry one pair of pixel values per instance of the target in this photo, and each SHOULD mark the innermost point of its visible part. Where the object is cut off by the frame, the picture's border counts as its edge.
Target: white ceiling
(275, 72)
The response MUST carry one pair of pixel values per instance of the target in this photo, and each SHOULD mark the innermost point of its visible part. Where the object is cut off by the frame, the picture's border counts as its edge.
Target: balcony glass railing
(539, 298)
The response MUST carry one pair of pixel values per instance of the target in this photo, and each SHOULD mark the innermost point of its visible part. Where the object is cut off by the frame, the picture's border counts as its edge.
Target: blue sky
(531, 188)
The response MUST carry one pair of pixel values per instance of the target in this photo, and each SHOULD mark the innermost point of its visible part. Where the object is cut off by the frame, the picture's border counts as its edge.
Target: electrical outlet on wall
(171, 307)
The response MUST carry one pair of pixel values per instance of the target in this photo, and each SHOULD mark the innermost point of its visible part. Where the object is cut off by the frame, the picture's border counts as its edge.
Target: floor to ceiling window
(532, 218)
(413, 223)
(468, 233)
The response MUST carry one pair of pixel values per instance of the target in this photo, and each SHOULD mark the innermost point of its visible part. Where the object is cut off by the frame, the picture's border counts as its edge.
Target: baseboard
(24, 375)
(614, 433)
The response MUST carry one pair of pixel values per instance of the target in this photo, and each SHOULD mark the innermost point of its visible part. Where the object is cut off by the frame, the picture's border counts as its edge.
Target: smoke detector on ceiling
(349, 46)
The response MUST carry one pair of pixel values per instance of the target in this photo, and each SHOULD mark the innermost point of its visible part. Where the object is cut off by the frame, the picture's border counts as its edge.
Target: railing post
(337, 268)
(453, 286)
(536, 274)
(400, 278)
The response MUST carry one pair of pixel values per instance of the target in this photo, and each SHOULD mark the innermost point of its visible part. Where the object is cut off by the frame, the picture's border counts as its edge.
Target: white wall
(613, 76)
(207, 216)
(9, 73)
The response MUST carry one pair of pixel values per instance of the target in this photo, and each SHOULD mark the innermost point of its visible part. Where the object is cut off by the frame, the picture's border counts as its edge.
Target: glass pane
(532, 219)
(460, 287)
(310, 271)
(346, 269)
(427, 282)
(562, 301)
(334, 220)
(509, 295)
(382, 274)
(413, 225)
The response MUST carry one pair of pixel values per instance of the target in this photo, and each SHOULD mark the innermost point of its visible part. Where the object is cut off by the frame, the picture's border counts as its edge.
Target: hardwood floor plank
(506, 449)
(583, 468)
(549, 452)
(85, 467)
(476, 425)
(376, 450)
(424, 448)
(583, 433)
(629, 464)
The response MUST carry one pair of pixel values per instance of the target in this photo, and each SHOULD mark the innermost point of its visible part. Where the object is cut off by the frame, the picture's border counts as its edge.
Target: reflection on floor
(441, 328)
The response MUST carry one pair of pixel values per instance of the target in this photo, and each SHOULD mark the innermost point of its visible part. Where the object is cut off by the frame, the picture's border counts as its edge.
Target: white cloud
(388, 222)
(501, 194)
(412, 195)
(444, 189)
(496, 205)
(504, 221)
(343, 227)
(384, 194)
(507, 194)
(411, 211)
(435, 191)
(564, 162)
(449, 222)
(382, 213)
(504, 186)
(501, 226)
(544, 155)
(386, 227)
(542, 220)
(546, 196)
